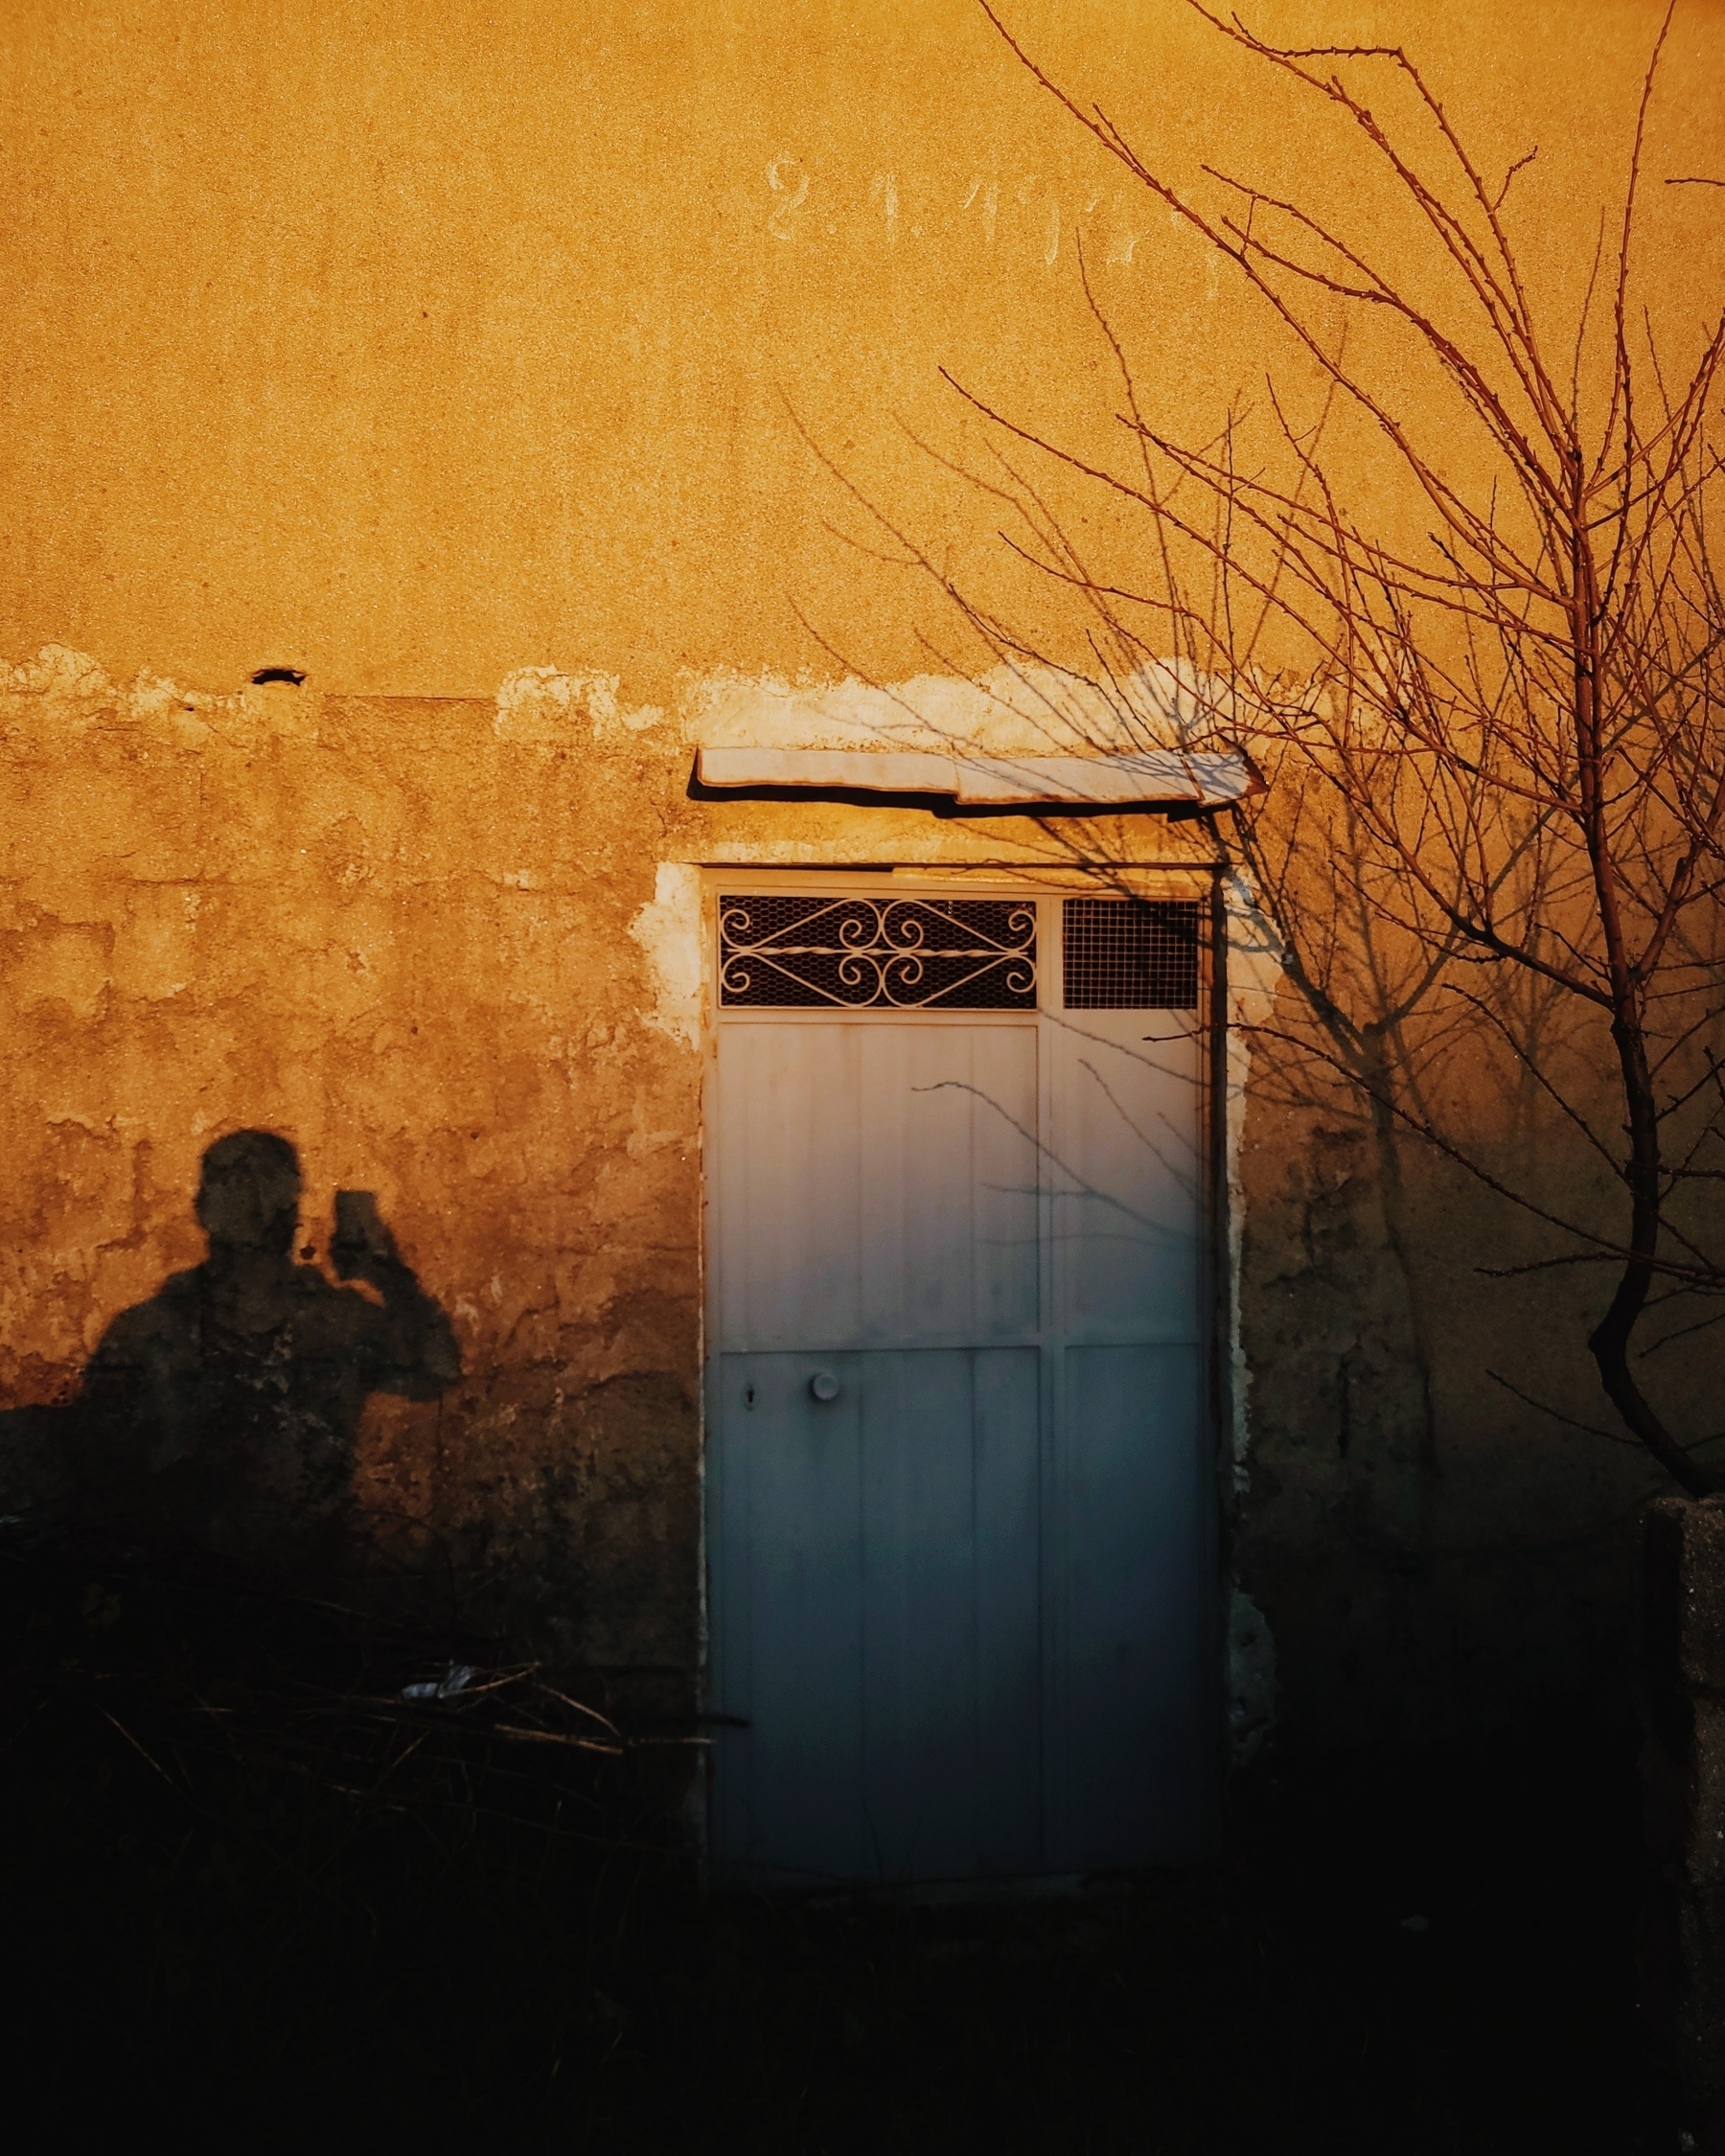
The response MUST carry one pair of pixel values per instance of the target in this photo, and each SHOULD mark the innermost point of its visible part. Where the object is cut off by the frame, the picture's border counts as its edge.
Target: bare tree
(1495, 745)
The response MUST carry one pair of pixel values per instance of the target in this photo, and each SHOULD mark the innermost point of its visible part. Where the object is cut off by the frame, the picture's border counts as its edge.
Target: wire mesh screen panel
(1131, 955)
(820, 952)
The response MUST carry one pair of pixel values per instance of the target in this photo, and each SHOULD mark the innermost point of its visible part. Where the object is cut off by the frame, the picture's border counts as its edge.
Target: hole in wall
(293, 675)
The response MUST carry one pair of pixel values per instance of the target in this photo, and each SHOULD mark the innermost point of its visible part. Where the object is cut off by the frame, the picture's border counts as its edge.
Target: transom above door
(957, 1489)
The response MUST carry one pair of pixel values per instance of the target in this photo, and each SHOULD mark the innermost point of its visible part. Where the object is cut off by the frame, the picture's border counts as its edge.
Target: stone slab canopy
(1147, 777)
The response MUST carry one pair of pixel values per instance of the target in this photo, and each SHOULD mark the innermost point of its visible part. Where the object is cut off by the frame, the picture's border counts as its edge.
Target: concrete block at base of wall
(1683, 1790)
(1681, 1953)
(1701, 2016)
(1686, 1592)
(1682, 1950)
(1704, 1841)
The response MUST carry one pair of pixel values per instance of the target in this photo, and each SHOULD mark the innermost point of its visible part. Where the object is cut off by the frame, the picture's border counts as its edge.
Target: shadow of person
(222, 1414)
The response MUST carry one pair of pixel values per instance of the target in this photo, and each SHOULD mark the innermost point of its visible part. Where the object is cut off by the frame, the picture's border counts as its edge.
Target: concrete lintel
(1154, 776)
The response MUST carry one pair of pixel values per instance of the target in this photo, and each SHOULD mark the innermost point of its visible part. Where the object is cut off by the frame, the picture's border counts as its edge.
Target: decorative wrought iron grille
(877, 954)
(1131, 955)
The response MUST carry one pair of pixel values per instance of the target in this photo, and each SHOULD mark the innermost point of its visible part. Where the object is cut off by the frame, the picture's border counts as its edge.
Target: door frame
(1196, 881)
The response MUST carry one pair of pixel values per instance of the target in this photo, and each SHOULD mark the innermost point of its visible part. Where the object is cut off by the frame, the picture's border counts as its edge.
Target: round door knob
(824, 1386)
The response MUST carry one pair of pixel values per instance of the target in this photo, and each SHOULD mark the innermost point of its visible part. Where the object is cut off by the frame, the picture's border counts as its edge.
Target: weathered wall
(412, 341)
(452, 949)
(1438, 1510)
(417, 344)
(455, 948)
(402, 941)
(1434, 1553)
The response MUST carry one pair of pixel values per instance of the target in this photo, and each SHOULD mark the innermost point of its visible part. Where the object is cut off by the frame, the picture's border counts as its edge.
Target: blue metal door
(957, 1503)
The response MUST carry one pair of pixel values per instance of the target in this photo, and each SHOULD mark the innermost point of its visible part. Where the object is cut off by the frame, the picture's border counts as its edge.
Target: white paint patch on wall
(1022, 711)
(543, 703)
(668, 929)
(547, 705)
(1254, 971)
(57, 671)
(73, 690)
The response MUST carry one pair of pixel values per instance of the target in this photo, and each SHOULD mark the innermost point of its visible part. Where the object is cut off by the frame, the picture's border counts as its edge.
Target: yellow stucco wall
(417, 341)
(418, 344)
(455, 951)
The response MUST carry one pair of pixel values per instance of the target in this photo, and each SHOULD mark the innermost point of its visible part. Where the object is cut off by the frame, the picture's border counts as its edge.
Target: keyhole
(748, 1395)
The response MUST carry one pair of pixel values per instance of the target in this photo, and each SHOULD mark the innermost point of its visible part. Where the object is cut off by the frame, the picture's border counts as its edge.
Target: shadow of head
(249, 1193)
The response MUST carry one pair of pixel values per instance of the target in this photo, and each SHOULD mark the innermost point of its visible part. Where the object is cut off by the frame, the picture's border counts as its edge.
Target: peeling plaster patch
(154, 696)
(639, 720)
(56, 671)
(668, 929)
(1254, 971)
(73, 689)
(543, 703)
(536, 703)
(1013, 711)
(1251, 1679)
(164, 707)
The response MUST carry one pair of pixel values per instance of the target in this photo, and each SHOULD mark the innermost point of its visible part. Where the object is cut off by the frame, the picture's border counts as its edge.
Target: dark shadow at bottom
(297, 1876)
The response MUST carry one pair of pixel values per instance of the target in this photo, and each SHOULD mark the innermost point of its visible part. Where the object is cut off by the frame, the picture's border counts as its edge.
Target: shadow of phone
(360, 1231)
